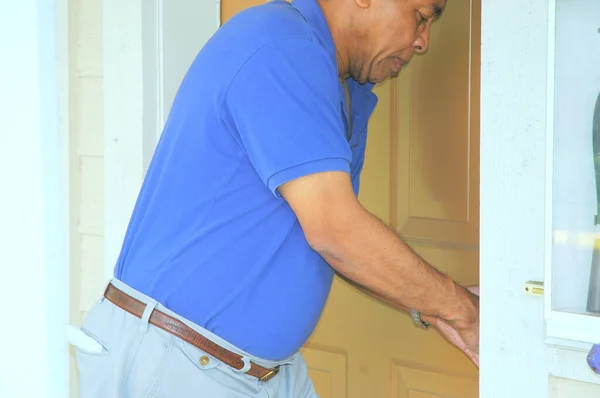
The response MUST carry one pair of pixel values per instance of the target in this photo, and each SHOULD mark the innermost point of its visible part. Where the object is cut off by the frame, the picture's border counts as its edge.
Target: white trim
(218, 14)
(152, 42)
(549, 224)
(62, 275)
(54, 51)
(575, 327)
(570, 345)
(34, 208)
(514, 358)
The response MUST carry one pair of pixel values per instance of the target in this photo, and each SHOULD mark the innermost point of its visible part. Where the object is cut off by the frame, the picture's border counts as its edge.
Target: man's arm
(371, 293)
(363, 249)
(368, 292)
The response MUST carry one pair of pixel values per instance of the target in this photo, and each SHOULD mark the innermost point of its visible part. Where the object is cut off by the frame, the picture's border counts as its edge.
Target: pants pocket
(147, 362)
(292, 381)
(94, 368)
(190, 372)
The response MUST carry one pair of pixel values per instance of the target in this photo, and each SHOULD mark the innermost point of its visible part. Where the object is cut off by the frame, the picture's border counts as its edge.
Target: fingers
(474, 358)
(456, 339)
(473, 289)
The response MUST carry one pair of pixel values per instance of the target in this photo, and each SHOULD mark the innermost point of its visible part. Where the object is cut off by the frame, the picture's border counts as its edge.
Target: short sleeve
(284, 108)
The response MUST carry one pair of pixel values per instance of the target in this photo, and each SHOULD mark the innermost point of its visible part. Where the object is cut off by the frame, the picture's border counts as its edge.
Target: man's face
(394, 30)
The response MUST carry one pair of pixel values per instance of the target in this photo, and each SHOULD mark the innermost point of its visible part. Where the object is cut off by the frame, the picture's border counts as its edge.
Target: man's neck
(336, 29)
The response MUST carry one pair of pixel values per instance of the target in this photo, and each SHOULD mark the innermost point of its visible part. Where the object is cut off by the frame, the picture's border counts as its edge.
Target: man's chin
(381, 80)
(395, 74)
(375, 80)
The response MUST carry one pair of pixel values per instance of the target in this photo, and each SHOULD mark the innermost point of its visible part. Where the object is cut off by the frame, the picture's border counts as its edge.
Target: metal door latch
(534, 288)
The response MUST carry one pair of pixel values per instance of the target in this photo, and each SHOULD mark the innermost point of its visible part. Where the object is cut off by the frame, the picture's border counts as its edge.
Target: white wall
(34, 200)
(124, 134)
(86, 161)
(565, 388)
(87, 153)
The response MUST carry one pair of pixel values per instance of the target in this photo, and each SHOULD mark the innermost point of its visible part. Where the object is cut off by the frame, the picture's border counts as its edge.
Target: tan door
(422, 177)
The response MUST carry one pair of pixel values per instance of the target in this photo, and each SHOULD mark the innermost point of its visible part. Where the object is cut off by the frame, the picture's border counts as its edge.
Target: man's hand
(467, 340)
(466, 337)
(474, 290)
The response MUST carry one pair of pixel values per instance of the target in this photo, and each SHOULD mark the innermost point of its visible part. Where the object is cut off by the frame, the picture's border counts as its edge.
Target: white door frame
(34, 205)
(147, 48)
(515, 361)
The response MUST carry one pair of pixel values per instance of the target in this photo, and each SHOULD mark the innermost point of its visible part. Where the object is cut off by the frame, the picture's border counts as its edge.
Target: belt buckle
(270, 374)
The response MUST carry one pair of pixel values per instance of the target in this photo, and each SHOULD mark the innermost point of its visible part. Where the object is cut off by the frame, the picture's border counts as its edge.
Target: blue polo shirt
(210, 236)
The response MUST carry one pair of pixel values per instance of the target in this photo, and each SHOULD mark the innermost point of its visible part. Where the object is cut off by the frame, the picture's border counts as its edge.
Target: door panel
(415, 382)
(232, 7)
(421, 177)
(327, 370)
(437, 148)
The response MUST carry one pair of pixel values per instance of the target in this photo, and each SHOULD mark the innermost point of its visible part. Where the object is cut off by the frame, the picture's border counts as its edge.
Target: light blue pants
(141, 360)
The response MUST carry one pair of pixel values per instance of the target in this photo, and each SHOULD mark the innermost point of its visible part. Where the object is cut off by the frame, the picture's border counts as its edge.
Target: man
(250, 206)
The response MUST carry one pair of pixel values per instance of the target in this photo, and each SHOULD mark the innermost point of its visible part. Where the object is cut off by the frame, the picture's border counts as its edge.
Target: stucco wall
(87, 159)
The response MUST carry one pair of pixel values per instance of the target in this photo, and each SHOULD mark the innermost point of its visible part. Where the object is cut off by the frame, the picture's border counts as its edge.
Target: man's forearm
(374, 257)
(371, 293)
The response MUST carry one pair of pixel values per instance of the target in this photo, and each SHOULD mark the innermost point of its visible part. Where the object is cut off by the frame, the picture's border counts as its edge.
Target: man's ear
(363, 3)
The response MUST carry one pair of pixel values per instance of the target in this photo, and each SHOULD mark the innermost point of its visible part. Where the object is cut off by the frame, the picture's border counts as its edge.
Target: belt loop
(106, 286)
(135, 343)
(146, 315)
(247, 365)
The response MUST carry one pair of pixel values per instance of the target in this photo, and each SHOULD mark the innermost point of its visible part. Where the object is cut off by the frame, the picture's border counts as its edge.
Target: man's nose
(421, 44)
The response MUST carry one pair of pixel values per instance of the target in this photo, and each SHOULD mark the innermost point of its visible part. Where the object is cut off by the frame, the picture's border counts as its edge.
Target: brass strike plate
(534, 288)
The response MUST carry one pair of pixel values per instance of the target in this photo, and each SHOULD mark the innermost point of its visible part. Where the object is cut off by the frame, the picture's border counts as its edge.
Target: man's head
(375, 38)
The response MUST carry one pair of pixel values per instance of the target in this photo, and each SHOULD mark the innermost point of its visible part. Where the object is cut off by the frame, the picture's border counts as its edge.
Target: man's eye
(423, 18)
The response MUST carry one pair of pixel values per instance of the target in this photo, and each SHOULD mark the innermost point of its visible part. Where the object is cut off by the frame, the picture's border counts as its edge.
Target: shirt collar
(311, 10)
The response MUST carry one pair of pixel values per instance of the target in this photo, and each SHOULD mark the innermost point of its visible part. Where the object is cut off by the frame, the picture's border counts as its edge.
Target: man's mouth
(398, 64)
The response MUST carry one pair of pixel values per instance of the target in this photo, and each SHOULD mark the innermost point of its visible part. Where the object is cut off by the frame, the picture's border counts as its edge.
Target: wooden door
(422, 177)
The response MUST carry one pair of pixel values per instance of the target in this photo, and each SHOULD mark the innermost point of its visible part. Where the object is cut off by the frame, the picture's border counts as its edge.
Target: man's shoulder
(267, 23)
(274, 33)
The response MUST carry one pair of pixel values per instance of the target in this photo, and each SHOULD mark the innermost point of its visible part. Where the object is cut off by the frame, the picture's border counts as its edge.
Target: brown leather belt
(186, 333)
